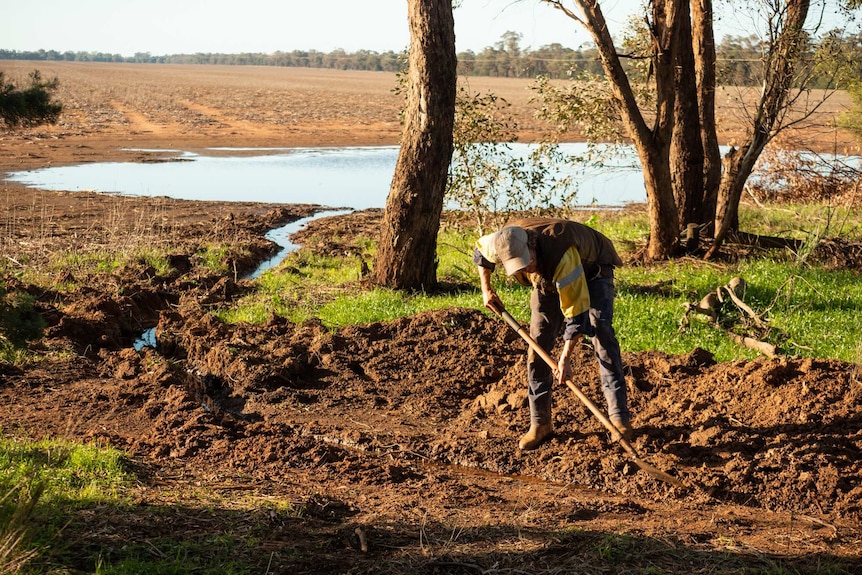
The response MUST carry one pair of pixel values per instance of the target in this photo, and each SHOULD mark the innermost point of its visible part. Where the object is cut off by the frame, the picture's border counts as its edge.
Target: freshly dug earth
(391, 447)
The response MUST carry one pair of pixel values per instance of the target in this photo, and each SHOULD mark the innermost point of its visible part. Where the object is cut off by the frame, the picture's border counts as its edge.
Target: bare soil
(393, 444)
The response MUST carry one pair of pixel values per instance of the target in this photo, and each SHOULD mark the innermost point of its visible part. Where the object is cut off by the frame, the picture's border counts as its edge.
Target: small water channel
(281, 237)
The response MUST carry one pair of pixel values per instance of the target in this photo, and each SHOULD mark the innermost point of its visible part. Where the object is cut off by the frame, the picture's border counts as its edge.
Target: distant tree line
(738, 59)
(337, 59)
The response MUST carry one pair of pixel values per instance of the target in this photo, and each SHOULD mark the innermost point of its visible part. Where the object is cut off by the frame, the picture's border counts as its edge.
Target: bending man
(571, 269)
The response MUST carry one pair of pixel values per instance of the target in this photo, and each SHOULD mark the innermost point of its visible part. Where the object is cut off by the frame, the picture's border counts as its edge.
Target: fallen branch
(766, 349)
(710, 306)
(730, 289)
(758, 241)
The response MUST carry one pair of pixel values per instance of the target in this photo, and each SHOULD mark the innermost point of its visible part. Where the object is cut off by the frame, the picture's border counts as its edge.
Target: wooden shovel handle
(615, 433)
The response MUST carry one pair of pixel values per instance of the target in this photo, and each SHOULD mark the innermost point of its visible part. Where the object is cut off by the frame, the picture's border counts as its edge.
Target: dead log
(766, 349)
(710, 306)
(767, 242)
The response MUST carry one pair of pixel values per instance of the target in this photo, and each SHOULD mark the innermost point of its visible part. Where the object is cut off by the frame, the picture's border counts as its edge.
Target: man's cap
(510, 243)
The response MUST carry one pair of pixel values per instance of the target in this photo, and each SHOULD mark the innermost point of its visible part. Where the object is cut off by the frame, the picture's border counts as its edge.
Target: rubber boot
(541, 426)
(535, 436)
(625, 427)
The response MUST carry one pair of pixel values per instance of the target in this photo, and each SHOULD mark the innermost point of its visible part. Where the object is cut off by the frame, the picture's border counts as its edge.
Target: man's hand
(564, 369)
(493, 302)
(564, 365)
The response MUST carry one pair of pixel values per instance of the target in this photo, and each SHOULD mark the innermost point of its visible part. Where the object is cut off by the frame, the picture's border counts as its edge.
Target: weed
(16, 508)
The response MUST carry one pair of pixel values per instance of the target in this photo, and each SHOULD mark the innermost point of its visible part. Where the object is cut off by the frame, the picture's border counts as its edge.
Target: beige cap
(510, 243)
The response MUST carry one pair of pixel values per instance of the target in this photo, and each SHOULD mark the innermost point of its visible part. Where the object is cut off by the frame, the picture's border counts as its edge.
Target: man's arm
(489, 297)
(483, 258)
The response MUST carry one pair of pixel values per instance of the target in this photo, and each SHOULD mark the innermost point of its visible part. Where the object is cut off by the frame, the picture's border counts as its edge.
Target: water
(281, 237)
(356, 178)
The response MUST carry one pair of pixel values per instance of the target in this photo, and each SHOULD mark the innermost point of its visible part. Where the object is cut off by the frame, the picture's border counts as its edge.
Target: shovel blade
(658, 473)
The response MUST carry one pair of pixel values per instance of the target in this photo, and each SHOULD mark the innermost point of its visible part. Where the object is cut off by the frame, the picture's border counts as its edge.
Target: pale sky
(163, 27)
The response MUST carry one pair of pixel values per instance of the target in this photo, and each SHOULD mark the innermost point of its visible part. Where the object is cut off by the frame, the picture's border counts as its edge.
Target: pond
(352, 177)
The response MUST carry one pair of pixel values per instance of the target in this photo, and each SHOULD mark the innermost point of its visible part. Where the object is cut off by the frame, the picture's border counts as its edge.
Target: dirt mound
(446, 388)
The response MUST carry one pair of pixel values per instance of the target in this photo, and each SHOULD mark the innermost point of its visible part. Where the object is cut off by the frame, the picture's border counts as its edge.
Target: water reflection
(356, 177)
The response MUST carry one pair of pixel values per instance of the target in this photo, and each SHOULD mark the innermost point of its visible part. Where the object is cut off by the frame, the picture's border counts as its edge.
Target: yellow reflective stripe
(570, 278)
(572, 284)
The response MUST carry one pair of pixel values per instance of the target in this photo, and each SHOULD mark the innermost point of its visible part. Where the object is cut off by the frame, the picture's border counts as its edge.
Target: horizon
(171, 27)
(168, 27)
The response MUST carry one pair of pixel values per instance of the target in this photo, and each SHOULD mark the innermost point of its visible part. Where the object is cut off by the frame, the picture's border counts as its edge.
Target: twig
(363, 539)
(819, 522)
(766, 349)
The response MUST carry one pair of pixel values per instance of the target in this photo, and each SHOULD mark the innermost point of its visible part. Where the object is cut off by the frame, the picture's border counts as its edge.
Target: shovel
(615, 433)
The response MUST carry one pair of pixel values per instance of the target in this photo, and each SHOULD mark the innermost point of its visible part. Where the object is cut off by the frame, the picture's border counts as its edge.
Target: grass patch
(101, 262)
(57, 496)
(73, 473)
(42, 483)
(810, 311)
(19, 324)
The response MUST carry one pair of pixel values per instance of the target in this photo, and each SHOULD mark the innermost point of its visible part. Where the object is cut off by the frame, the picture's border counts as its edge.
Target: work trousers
(546, 321)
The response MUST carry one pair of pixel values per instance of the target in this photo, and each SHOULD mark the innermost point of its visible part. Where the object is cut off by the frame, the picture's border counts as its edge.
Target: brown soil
(403, 431)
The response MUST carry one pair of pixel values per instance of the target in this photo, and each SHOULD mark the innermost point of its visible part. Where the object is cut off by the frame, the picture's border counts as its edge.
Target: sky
(162, 27)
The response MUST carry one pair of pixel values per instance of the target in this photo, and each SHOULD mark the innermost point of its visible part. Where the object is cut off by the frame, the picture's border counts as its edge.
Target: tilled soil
(397, 440)
(407, 429)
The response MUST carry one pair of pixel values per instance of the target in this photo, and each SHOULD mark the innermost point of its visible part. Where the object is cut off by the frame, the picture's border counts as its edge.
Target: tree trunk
(703, 45)
(407, 251)
(686, 153)
(782, 56)
(652, 144)
(730, 192)
(659, 176)
(661, 208)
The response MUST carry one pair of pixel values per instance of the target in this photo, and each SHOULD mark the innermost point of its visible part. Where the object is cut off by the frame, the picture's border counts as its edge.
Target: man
(571, 269)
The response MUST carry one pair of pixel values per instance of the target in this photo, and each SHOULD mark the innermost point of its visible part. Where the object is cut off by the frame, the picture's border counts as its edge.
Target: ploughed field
(397, 440)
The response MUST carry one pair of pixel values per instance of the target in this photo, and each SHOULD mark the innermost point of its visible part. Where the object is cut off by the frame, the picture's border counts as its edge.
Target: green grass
(78, 474)
(42, 483)
(810, 311)
(19, 323)
(72, 483)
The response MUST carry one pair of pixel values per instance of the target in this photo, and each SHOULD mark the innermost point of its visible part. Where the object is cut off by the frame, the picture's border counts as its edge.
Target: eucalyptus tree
(407, 249)
(673, 124)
